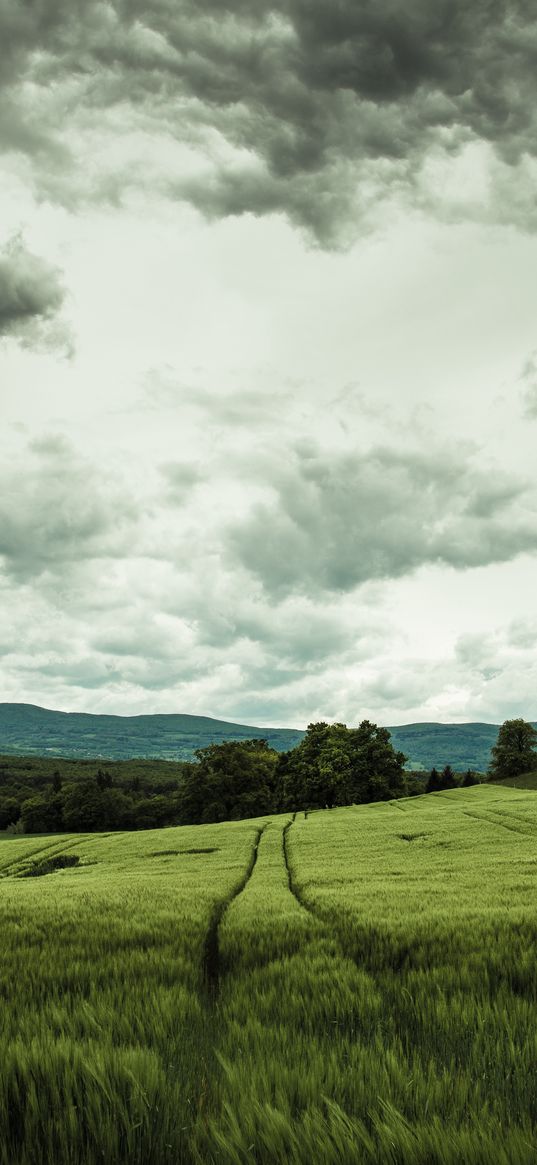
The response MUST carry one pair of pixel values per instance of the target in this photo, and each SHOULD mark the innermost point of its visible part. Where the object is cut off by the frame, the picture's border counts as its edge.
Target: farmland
(353, 985)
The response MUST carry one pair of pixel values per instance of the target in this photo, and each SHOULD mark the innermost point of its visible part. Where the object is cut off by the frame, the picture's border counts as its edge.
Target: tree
(515, 750)
(336, 765)
(470, 778)
(230, 781)
(434, 782)
(41, 814)
(448, 778)
(9, 812)
(84, 807)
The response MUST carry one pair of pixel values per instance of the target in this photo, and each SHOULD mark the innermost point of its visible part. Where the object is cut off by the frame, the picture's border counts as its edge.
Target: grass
(372, 998)
(524, 781)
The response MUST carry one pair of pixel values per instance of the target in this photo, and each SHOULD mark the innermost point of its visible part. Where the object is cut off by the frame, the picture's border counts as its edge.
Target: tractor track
(512, 828)
(5, 871)
(211, 961)
(297, 894)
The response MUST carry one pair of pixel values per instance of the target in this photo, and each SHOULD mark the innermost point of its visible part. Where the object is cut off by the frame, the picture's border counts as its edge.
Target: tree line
(332, 766)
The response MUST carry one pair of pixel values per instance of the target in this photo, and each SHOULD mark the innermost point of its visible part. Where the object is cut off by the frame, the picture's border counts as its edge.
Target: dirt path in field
(211, 949)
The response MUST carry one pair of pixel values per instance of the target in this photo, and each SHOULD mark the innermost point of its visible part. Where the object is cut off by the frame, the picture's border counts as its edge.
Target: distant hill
(27, 730)
(463, 746)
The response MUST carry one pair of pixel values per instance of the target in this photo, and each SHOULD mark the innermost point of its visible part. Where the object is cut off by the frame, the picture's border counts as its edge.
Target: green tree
(41, 814)
(9, 812)
(448, 779)
(336, 765)
(154, 812)
(84, 807)
(470, 778)
(515, 750)
(230, 781)
(434, 782)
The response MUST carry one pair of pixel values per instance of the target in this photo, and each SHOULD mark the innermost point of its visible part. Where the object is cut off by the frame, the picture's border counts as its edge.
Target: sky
(268, 358)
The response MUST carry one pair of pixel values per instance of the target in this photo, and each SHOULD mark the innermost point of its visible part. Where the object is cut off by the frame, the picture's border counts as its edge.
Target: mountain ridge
(30, 729)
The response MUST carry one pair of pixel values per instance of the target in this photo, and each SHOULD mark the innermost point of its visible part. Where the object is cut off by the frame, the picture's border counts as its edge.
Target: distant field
(352, 986)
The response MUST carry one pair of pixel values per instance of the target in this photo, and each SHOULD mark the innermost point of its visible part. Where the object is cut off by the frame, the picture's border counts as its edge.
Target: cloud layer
(303, 108)
(248, 492)
(338, 522)
(282, 613)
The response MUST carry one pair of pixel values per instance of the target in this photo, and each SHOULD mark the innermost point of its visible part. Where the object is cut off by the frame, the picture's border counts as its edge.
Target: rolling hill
(28, 730)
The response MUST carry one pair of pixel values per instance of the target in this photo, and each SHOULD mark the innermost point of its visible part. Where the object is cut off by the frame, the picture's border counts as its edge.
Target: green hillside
(463, 746)
(28, 730)
(356, 985)
(523, 781)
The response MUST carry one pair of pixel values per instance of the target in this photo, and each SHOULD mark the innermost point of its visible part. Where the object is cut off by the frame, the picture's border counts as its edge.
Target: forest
(332, 766)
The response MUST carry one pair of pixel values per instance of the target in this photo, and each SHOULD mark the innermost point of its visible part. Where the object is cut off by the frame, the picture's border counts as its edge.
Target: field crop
(105, 1045)
(356, 985)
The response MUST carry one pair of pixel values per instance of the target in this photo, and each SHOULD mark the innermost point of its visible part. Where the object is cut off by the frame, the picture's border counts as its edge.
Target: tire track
(297, 894)
(290, 879)
(211, 963)
(5, 871)
(331, 932)
(364, 961)
(480, 816)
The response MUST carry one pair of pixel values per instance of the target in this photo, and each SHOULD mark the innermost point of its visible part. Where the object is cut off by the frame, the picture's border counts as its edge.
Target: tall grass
(376, 992)
(401, 1026)
(105, 1050)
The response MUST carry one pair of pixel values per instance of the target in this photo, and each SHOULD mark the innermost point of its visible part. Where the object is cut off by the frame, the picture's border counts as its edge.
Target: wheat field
(355, 985)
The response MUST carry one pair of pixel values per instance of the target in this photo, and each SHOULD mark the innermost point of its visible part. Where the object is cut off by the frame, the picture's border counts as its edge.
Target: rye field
(351, 986)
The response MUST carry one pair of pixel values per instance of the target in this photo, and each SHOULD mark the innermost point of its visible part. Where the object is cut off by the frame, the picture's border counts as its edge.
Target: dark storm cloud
(318, 96)
(55, 510)
(337, 522)
(31, 297)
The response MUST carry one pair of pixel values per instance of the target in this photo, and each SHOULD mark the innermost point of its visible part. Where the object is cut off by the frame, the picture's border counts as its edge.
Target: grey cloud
(56, 510)
(180, 478)
(318, 98)
(297, 633)
(477, 651)
(31, 298)
(241, 406)
(522, 634)
(337, 522)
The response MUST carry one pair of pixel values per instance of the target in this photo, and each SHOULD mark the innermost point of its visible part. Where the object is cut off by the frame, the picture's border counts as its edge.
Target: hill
(353, 985)
(28, 730)
(523, 781)
(463, 746)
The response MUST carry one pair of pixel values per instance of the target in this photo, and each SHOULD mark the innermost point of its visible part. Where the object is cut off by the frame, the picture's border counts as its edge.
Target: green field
(351, 986)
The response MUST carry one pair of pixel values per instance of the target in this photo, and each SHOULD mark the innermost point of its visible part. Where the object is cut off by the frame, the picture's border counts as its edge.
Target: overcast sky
(268, 358)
